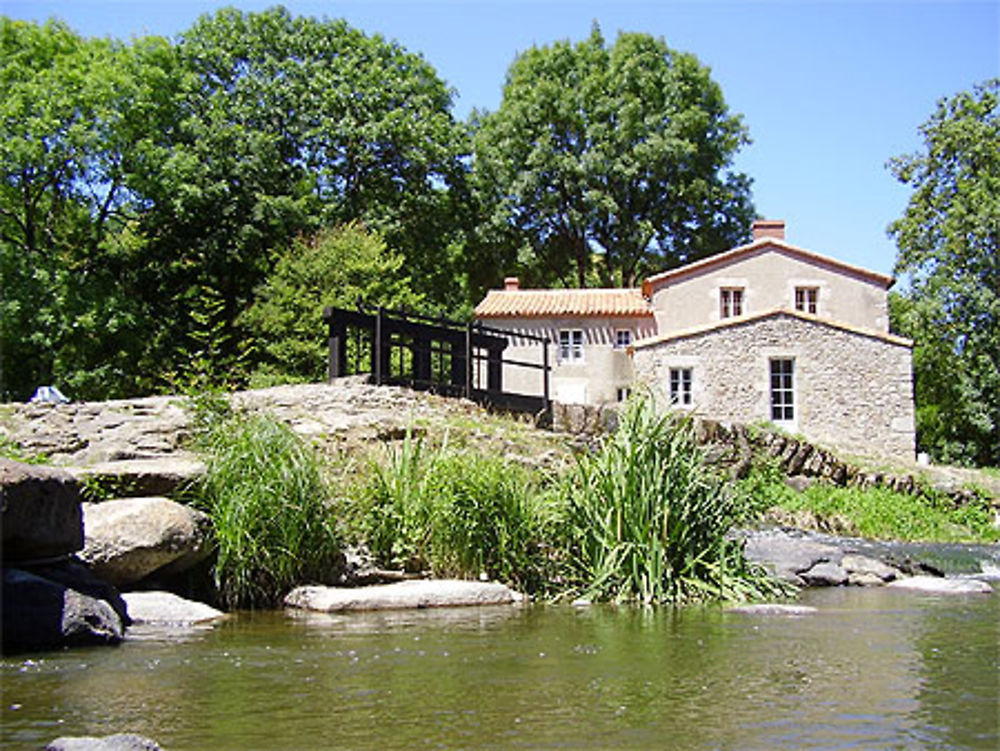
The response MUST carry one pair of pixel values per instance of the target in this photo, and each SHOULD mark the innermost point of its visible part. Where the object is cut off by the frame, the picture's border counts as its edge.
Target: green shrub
(267, 497)
(648, 521)
(456, 512)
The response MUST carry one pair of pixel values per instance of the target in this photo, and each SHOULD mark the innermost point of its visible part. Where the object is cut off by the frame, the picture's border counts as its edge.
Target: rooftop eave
(751, 317)
(733, 254)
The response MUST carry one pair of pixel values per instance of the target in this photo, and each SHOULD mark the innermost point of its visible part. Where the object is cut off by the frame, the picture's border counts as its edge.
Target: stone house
(765, 332)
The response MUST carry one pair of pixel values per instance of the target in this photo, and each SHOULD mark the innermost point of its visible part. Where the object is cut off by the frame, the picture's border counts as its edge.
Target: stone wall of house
(853, 391)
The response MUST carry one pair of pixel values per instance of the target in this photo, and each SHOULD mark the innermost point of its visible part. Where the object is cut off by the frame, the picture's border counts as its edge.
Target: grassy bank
(875, 513)
(638, 516)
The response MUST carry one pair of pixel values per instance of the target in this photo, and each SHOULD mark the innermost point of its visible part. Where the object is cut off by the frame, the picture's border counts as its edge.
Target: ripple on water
(870, 670)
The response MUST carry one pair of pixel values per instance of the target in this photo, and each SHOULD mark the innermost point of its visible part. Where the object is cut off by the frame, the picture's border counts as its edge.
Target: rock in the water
(41, 512)
(119, 742)
(426, 593)
(786, 556)
(772, 608)
(865, 571)
(167, 608)
(824, 574)
(939, 586)
(42, 614)
(129, 539)
(74, 575)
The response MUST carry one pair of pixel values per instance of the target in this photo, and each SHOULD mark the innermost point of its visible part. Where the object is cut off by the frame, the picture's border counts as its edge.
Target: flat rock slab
(939, 586)
(423, 593)
(143, 477)
(119, 742)
(772, 608)
(167, 609)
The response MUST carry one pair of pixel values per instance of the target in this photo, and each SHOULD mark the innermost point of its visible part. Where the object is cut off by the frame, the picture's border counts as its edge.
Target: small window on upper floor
(623, 338)
(807, 299)
(730, 302)
(570, 345)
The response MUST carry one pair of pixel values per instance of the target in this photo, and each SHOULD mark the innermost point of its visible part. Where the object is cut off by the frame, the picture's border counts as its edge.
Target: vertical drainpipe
(377, 347)
(546, 400)
(468, 360)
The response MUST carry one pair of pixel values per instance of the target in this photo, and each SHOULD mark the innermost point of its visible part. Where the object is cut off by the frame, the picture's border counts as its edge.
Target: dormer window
(807, 299)
(623, 338)
(571, 345)
(730, 302)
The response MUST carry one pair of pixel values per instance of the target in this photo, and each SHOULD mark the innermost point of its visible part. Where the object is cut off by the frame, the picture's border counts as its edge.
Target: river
(873, 669)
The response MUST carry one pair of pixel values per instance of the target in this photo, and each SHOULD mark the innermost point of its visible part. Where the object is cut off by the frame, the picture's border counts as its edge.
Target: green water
(875, 669)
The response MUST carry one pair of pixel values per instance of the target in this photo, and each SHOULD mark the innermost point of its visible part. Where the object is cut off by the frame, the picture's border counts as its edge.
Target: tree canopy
(167, 207)
(148, 189)
(602, 165)
(949, 249)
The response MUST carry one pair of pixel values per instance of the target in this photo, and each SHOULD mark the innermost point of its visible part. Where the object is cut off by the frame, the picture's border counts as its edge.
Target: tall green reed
(647, 520)
(266, 494)
(456, 512)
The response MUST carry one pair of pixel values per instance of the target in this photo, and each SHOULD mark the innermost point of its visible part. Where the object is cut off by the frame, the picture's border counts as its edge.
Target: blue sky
(829, 90)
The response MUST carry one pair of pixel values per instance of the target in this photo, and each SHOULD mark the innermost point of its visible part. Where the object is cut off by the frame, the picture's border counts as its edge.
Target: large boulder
(424, 593)
(40, 613)
(41, 512)
(131, 538)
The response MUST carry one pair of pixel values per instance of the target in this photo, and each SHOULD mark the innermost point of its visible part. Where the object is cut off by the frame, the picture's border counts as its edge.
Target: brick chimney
(511, 284)
(769, 228)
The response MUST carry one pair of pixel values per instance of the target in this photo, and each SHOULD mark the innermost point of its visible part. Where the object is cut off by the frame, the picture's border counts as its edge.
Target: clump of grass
(455, 512)
(267, 497)
(648, 521)
(11, 449)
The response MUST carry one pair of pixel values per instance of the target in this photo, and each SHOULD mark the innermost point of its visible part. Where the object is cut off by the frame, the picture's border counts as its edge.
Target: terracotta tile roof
(551, 303)
(736, 320)
(737, 253)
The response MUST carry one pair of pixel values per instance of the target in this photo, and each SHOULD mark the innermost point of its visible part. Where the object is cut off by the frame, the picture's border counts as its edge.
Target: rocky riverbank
(810, 559)
(66, 561)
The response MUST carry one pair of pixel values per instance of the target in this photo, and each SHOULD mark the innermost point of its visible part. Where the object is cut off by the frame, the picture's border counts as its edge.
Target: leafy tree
(74, 121)
(289, 124)
(622, 150)
(949, 248)
(335, 267)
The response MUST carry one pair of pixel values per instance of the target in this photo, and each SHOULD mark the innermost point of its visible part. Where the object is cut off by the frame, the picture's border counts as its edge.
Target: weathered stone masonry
(853, 390)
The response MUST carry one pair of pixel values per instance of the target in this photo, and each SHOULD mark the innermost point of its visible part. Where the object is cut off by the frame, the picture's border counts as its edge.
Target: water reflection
(874, 669)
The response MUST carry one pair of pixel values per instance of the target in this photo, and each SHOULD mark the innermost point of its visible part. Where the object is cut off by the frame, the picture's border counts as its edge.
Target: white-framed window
(571, 345)
(730, 302)
(622, 393)
(680, 387)
(623, 338)
(807, 299)
(782, 390)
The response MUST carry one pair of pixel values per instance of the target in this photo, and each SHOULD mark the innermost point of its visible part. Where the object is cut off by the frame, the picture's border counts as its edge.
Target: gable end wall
(852, 392)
